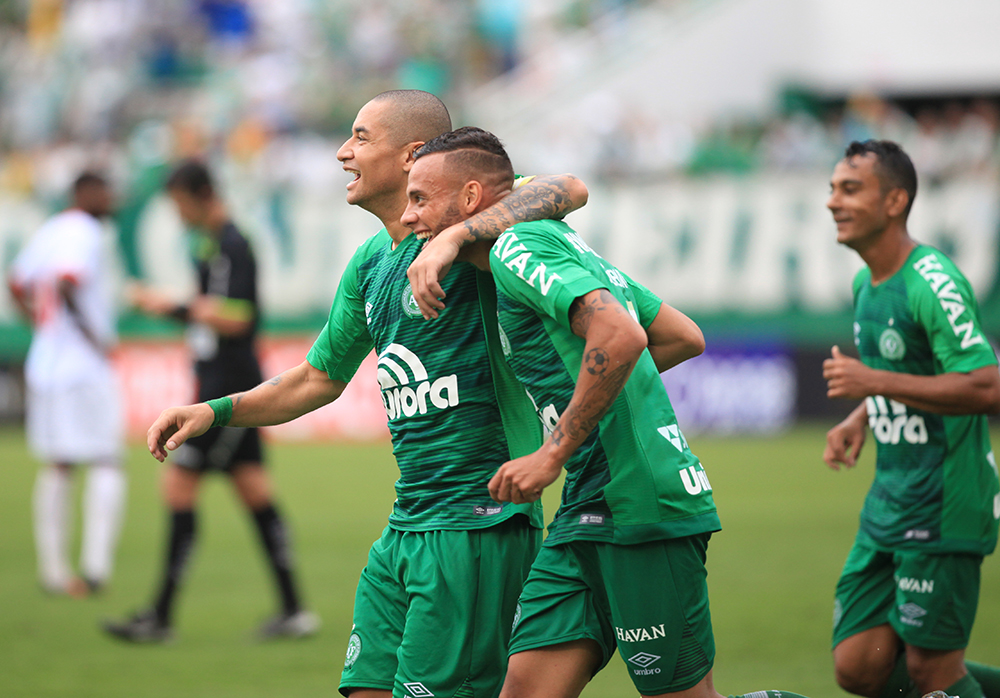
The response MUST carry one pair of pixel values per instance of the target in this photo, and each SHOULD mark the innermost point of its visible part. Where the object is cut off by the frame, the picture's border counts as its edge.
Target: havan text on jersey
(516, 257)
(641, 634)
(946, 291)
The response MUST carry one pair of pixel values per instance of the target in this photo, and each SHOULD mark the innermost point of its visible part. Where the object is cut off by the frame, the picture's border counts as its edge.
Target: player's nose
(345, 153)
(409, 217)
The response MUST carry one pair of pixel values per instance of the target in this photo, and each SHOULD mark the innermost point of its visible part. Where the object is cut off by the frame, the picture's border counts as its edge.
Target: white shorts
(74, 424)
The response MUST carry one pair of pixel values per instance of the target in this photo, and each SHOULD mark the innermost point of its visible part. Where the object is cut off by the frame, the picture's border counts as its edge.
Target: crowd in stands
(946, 138)
(270, 88)
(124, 81)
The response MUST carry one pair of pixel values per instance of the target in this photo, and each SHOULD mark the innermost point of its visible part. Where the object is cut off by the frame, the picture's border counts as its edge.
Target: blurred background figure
(61, 282)
(221, 329)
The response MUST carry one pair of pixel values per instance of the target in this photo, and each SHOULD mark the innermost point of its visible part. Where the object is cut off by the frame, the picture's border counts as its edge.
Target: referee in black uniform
(221, 327)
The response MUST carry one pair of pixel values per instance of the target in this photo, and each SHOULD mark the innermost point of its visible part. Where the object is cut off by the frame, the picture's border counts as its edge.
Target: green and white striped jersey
(437, 386)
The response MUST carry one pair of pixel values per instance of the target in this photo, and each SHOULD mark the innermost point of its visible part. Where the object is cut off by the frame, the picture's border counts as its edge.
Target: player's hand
(176, 425)
(844, 442)
(847, 377)
(430, 267)
(523, 479)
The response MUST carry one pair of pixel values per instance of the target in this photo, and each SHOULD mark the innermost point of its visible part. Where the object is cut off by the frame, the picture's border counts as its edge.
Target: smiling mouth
(357, 176)
(424, 235)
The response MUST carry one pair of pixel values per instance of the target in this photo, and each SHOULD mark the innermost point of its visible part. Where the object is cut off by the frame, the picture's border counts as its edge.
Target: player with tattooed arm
(623, 566)
(431, 610)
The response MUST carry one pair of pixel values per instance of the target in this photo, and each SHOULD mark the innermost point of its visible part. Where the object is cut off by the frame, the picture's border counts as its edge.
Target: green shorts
(651, 600)
(929, 600)
(433, 610)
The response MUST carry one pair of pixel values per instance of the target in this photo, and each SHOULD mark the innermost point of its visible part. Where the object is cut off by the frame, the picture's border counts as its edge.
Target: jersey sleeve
(533, 265)
(950, 317)
(647, 303)
(345, 341)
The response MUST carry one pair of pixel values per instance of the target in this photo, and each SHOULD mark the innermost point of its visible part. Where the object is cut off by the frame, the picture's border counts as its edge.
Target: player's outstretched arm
(614, 343)
(673, 338)
(975, 392)
(544, 196)
(844, 441)
(283, 398)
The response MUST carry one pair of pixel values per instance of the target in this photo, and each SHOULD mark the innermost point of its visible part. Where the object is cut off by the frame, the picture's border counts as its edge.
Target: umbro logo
(910, 614)
(643, 659)
(417, 690)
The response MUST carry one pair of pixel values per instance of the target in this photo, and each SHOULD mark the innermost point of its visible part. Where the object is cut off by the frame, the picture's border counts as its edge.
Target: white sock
(103, 504)
(51, 501)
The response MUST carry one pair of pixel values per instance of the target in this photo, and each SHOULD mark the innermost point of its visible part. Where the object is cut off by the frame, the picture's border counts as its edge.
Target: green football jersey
(936, 486)
(437, 387)
(634, 479)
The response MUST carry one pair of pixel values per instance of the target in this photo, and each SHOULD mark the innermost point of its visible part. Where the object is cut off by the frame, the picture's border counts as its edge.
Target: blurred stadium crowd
(248, 82)
(268, 90)
(945, 139)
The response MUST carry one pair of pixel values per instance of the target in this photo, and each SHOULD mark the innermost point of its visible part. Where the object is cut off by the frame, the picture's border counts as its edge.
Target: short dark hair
(88, 178)
(416, 116)
(193, 177)
(472, 151)
(893, 166)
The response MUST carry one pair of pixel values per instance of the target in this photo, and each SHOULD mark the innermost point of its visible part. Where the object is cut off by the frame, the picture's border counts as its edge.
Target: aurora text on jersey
(436, 384)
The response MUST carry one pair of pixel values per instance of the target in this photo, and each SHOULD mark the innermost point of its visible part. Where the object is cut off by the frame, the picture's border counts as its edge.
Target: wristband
(223, 409)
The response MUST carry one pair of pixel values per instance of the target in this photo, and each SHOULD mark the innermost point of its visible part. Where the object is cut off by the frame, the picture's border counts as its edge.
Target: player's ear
(410, 150)
(472, 196)
(896, 201)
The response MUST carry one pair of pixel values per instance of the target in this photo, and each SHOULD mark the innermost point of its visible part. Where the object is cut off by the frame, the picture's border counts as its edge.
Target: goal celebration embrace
(499, 349)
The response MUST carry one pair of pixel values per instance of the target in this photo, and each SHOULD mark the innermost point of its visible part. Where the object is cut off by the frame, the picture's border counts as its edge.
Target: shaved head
(414, 115)
(473, 153)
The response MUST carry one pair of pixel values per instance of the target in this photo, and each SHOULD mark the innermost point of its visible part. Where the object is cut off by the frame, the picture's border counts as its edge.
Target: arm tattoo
(581, 312)
(274, 381)
(558, 435)
(596, 361)
(581, 419)
(541, 198)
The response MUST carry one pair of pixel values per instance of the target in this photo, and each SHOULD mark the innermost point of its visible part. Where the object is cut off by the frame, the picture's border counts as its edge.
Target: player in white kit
(61, 281)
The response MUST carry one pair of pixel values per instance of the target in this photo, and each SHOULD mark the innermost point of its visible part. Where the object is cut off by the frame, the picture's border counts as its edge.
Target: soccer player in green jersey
(623, 566)
(906, 600)
(433, 604)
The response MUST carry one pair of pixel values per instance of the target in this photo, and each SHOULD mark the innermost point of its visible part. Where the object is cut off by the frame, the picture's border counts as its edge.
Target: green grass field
(788, 523)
